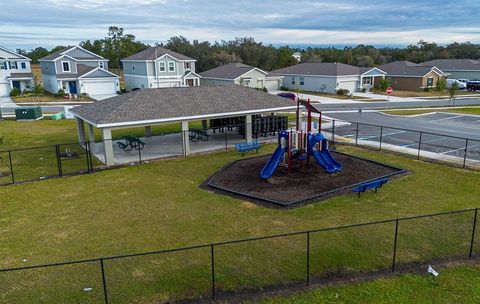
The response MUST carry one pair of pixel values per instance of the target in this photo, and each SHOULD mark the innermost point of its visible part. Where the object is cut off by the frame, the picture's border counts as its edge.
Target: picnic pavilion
(150, 107)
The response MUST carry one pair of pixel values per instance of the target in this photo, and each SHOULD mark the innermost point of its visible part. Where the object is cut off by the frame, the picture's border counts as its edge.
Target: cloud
(53, 22)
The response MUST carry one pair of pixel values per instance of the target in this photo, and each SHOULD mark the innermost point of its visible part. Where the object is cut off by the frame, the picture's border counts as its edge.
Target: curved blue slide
(272, 164)
(324, 158)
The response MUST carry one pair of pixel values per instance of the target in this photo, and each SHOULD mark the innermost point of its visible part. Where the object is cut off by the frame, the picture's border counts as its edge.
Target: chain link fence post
(11, 166)
(472, 241)
(104, 281)
(465, 153)
(308, 258)
(395, 245)
(212, 254)
(381, 137)
(419, 145)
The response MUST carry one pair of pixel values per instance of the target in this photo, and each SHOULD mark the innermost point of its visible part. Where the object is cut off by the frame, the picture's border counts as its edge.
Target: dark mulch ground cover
(305, 183)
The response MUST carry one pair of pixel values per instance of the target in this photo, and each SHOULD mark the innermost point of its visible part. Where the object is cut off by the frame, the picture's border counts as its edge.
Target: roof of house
(318, 69)
(454, 64)
(64, 51)
(14, 54)
(156, 52)
(20, 75)
(228, 71)
(406, 68)
(82, 70)
(180, 103)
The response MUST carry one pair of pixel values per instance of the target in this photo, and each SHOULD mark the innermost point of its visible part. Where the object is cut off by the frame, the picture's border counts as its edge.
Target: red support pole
(320, 123)
(298, 115)
(309, 118)
(289, 152)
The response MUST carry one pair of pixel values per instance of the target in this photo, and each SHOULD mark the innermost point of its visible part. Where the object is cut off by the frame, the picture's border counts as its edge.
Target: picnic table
(198, 135)
(131, 142)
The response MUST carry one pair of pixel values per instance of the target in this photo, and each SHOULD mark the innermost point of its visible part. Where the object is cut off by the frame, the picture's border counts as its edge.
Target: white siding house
(241, 74)
(15, 72)
(327, 77)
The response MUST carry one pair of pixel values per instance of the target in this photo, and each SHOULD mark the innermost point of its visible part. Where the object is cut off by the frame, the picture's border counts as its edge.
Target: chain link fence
(250, 265)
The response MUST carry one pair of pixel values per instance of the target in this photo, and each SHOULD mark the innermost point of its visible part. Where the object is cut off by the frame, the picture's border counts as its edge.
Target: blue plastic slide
(323, 157)
(272, 164)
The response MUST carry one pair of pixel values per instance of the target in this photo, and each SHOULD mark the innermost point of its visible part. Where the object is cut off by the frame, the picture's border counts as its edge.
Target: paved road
(442, 133)
(395, 105)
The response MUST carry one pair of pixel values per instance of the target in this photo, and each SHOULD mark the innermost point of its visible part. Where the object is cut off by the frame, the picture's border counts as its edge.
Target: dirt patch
(305, 183)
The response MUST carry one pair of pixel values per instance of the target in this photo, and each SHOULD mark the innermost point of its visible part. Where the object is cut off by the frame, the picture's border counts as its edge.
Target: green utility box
(58, 116)
(28, 113)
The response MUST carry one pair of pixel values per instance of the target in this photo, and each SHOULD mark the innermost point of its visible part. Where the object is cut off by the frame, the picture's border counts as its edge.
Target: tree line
(118, 44)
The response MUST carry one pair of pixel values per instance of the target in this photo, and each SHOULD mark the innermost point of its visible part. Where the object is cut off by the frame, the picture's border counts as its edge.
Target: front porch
(371, 79)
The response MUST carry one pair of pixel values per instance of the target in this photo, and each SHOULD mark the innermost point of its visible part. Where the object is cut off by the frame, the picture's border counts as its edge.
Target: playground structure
(296, 147)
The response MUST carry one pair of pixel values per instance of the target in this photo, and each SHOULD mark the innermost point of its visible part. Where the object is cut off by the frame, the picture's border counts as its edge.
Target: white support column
(107, 146)
(91, 138)
(248, 128)
(148, 131)
(80, 131)
(185, 139)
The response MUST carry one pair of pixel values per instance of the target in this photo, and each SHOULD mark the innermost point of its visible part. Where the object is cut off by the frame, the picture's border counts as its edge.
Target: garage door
(351, 86)
(99, 87)
(272, 85)
(3, 89)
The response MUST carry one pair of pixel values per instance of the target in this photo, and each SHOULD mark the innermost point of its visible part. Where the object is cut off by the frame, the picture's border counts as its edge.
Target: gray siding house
(78, 71)
(158, 67)
(241, 74)
(328, 77)
(457, 68)
(15, 72)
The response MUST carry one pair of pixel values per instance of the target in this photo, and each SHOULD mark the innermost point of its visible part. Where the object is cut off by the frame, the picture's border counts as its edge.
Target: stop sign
(389, 90)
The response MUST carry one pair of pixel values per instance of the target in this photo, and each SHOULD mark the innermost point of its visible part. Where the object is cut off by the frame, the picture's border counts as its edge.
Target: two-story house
(15, 72)
(78, 71)
(158, 67)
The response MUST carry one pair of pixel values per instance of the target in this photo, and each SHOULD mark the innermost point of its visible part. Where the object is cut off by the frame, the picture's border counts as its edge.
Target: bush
(441, 85)
(342, 92)
(364, 90)
(284, 88)
(15, 92)
(38, 89)
(265, 89)
(427, 89)
(383, 84)
(60, 93)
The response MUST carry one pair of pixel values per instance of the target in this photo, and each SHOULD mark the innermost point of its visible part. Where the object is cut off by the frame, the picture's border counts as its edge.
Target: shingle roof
(59, 53)
(228, 71)
(82, 69)
(405, 68)
(156, 52)
(54, 55)
(318, 69)
(20, 75)
(171, 103)
(454, 64)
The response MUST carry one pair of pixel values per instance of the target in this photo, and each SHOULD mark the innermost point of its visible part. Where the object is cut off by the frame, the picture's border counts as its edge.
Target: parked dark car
(473, 86)
(287, 95)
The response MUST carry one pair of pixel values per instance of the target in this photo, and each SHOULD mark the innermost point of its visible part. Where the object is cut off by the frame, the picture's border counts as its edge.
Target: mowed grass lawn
(459, 284)
(160, 206)
(470, 111)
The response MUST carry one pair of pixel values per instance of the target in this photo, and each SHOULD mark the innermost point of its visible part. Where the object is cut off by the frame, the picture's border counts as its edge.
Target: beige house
(409, 76)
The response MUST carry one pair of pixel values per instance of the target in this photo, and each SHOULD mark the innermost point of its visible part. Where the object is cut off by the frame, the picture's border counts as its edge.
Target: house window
(188, 66)
(171, 66)
(101, 64)
(13, 65)
(133, 66)
(66, 66)
(162, 66)
(3, 65)
(64, 85)
(23, 65)
(293, 80)
(302, 80)
(367, 81)
(430, 82)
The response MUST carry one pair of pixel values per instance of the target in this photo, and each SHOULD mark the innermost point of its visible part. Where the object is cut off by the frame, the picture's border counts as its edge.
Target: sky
(50, 23)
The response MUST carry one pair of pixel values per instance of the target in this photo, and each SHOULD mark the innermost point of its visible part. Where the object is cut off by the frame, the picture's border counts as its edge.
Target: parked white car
(461, 85)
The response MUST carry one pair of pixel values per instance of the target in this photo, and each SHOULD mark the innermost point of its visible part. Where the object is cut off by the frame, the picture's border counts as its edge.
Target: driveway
(102, 96)
(6, 102)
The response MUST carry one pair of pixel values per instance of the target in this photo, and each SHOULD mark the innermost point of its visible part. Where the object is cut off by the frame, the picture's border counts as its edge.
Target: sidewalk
(391, 98)
(320, 99)
(6, 102)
